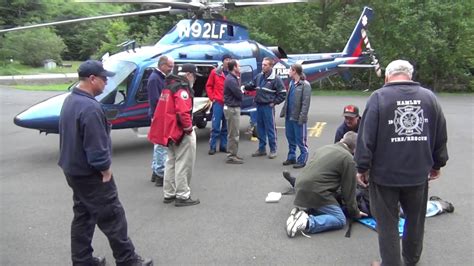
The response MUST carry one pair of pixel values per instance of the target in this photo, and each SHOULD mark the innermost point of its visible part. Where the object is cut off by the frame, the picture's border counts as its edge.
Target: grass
(340, 93)
(15, 68)
(49, 87)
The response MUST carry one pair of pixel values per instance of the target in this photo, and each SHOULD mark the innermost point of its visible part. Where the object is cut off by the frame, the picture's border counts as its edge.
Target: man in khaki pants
(232, 102)
(172, 126)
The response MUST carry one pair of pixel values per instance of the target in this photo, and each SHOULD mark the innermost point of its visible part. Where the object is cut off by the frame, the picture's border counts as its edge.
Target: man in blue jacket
(156, 83)
(85, 151)
(402, 141)
(270, 92)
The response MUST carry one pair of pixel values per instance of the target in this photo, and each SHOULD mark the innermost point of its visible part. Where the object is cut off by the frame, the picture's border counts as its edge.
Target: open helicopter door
(201, 103)
(248, 71)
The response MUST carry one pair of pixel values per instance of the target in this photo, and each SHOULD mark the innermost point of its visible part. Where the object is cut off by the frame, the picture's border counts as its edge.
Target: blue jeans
(253, 118)
(329, 217)
(266, 127)
(160, 154)
(219, 127)
(296, 135)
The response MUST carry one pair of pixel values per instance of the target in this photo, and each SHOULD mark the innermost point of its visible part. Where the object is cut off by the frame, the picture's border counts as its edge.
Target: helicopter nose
(43, 116)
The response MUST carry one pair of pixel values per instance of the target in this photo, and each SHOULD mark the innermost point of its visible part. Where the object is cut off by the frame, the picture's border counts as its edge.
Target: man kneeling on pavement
(331, 170)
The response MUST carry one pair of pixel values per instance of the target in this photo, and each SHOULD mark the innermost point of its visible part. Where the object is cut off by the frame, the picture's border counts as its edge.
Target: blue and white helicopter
(202, 42)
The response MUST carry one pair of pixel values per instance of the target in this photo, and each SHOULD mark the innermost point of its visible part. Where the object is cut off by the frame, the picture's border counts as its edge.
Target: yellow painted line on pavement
(317, 130)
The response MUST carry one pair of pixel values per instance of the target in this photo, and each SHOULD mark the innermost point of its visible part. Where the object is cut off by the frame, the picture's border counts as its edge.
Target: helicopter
(203, 42)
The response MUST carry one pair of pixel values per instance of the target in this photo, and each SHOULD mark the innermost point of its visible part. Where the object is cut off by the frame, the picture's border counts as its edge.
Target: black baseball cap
(93, 67)
(189, 68)
(225, 56)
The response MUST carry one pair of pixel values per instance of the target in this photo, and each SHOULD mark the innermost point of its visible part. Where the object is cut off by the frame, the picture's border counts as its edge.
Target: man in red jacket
(215, 92)
(172, 126)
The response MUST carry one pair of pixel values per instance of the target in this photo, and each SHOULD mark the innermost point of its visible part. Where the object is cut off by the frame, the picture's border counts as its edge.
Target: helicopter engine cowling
(278, 51)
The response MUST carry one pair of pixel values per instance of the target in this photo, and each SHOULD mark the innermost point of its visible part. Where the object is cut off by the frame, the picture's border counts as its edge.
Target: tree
(435, 36)
(117, 33)
(33, 47)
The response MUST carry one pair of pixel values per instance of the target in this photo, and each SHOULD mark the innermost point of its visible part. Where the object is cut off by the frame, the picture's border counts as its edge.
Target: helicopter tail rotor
(373, 58)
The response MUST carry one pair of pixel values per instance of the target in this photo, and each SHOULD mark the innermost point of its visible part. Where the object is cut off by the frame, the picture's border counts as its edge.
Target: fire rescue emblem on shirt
(184, 95)
(408, 121)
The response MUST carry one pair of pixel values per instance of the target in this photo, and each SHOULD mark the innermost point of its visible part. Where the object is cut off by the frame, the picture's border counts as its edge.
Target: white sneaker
(300, 220)
(291, 219)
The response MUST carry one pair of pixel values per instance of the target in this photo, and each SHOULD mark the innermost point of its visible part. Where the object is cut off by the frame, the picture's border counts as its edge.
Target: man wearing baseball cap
(172, 126)
(85, 157)
(351, 122)
(215, 92)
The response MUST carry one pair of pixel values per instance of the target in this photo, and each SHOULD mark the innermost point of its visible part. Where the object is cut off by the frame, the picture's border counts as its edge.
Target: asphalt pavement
(233, 225)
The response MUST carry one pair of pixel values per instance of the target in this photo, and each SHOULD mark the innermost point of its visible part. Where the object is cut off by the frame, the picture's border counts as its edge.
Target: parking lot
(233, 225)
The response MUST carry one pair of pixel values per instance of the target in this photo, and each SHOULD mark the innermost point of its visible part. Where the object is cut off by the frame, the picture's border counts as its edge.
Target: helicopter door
(247, 76)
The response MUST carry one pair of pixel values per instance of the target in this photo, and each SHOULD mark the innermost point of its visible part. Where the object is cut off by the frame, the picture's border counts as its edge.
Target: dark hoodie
(402, 135)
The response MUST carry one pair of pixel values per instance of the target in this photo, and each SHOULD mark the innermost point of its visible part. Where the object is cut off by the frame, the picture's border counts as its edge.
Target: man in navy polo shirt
(85, 151)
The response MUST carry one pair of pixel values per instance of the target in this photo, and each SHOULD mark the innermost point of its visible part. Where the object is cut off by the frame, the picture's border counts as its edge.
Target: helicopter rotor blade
(259, 3)
(145, 12)
(194, 5)
(175, 4)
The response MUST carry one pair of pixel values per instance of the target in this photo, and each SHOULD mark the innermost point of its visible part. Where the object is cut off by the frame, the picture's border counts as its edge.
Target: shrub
(32, 47)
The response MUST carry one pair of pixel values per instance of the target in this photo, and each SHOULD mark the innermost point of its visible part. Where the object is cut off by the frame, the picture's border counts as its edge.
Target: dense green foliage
(33, 47)
(435, 35)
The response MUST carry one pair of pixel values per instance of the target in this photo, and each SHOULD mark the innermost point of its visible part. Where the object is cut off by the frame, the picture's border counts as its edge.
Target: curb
(41, 79)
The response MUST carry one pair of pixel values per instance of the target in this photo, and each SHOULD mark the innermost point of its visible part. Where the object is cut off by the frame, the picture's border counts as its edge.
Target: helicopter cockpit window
(124, 72)
(246, 74)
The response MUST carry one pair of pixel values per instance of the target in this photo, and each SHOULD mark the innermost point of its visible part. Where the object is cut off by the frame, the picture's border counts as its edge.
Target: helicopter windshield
(122, 70)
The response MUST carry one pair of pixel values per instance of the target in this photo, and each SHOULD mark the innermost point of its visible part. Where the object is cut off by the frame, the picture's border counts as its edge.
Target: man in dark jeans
(85, 157)
(402, 141)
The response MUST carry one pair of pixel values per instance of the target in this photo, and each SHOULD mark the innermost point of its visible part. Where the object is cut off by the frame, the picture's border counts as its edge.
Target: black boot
(289, 178)
(153, 177)
(159, 181)
(137, 261)
(98, 261)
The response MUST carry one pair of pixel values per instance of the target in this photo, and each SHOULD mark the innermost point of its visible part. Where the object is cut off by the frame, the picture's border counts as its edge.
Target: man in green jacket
(330, 171)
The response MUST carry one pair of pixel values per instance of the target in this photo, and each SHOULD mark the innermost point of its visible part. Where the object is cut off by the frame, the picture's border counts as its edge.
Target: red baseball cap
(351, 111)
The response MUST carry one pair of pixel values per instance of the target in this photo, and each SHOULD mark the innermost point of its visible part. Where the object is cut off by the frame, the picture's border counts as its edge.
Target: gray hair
(350, 139)
(163, 60)
(399, 67)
